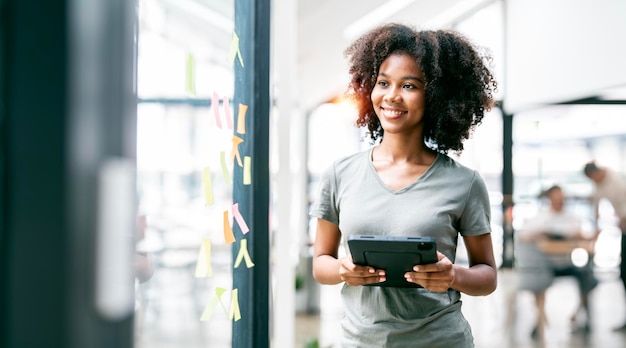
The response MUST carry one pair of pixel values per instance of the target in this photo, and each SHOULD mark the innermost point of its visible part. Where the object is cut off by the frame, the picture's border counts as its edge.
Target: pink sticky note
(215, 103)
(229, 118)
(240, 221)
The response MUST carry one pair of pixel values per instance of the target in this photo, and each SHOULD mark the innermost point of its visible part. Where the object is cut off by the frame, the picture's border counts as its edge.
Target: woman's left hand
(436, 277)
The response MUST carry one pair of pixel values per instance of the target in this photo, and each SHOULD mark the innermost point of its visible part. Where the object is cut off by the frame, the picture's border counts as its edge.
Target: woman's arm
(325, 263)
(328, 269)
(479, 279)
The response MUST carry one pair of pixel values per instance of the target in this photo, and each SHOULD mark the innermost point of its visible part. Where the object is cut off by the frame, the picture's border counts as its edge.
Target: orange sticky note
(234, 152)
(241, 118)
(229, 237)
(243, 254)
(225, 171)
(247, 163)
(207, 186)
(203, 265)
(215, 103)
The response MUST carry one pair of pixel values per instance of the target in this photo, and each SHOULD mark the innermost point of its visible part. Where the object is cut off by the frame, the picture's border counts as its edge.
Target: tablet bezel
(395, 254)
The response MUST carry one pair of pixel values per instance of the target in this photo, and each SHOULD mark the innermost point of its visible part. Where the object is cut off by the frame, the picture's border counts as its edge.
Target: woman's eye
(409, 86)
(383, 83)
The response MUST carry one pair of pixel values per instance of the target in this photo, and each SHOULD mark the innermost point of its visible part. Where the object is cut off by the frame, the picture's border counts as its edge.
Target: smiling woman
(420, 94)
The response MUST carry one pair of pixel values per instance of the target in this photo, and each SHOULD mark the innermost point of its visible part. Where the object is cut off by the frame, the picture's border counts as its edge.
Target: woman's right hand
(355, 275)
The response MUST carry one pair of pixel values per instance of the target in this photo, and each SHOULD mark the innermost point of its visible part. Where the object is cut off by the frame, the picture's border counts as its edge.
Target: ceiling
(325, 28)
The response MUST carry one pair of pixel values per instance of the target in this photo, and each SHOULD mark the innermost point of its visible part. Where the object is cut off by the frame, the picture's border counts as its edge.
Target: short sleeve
(325, 205)
(476, 217)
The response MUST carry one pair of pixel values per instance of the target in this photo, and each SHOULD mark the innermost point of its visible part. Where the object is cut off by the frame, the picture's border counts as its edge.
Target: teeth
(393, 112)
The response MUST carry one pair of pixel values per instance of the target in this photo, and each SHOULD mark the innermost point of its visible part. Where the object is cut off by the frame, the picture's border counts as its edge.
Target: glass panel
(551, 146)
(483, 151)
(183, 258)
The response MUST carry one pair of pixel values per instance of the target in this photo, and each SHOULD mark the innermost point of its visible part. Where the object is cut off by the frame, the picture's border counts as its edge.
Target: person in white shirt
(611, 186)
(542, 264)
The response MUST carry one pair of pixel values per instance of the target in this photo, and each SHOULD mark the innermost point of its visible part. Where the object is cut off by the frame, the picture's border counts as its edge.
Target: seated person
(554, 226)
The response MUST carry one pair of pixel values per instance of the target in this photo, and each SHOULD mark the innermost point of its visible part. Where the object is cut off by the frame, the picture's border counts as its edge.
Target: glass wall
(483, 151)
(184, 164)
(551, 146)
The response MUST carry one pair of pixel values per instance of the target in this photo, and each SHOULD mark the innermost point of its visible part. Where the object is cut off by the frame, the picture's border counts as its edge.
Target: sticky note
(247, 163)
(225, 171)
(241, 118)
(207, 186)
(234, 152)
(215, 103)
(190, 78)
(233, 313)
(243, 254)
(229, 118)
(210, 307)
(203, 265)
(235, 51)
(239, 218)
(229, 237)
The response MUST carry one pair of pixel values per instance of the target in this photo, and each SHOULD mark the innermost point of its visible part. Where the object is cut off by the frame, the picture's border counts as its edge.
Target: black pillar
(507, 191)
(252, 25)
(33, 307)
(67, 104)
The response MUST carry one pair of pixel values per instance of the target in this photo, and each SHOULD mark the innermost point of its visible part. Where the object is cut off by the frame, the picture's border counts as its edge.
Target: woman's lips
(392, 113)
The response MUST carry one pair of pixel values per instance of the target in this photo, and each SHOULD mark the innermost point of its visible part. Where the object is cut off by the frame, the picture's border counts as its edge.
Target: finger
(373, 279)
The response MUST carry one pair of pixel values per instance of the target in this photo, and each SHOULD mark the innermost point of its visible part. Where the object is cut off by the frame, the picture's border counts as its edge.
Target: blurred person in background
(610, 185)
(545, 245)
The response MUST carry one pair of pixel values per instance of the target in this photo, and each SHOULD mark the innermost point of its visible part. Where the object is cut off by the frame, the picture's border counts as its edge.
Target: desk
(566, 246)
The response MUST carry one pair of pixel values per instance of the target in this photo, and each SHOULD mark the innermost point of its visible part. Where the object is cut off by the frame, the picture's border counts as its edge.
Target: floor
(504, 318)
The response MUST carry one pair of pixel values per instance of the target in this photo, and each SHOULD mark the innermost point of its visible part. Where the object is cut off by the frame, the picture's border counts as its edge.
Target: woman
(420, 94)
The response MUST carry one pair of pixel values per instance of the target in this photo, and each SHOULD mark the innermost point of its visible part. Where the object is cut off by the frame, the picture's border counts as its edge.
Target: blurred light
(454, 12)
(374, 18)
(580, 257)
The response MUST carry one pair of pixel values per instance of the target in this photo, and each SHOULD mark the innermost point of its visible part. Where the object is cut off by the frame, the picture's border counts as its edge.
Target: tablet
(396, 255)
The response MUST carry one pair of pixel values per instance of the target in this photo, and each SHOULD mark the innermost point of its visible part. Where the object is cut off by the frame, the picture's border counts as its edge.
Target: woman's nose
(392, 96)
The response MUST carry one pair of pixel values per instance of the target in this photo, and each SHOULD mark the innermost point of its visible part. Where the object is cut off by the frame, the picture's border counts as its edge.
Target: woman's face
(399, 93)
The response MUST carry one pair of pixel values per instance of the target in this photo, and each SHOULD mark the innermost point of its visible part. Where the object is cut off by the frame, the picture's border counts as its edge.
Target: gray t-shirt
(446, 200)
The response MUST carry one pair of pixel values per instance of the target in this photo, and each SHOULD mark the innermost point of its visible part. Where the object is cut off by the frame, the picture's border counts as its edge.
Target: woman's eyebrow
(409, 77)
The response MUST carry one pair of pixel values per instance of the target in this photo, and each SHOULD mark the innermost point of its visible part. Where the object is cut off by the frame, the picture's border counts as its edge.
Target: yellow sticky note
(235, 51)
(243, 254)
(203, 265)
(247, 163)
(191, 74)
(225, 171)
(241, 118)
(207, 186)
(234, 312)
(229, 237)
(210, 307)
(234, 152)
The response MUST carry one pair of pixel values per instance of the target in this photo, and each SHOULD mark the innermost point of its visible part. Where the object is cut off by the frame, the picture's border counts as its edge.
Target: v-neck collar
(427, 173)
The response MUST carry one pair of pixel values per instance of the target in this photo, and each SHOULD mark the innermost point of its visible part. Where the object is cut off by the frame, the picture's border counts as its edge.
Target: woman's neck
(399, 149)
